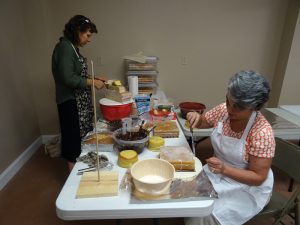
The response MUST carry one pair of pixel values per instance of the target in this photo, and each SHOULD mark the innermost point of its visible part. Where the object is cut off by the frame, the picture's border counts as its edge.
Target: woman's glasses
(85, 21)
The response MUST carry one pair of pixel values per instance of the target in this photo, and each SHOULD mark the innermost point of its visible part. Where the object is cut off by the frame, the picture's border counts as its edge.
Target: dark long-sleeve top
(66, 70)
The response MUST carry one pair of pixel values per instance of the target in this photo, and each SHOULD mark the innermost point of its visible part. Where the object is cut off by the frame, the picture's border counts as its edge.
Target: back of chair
(287, 158)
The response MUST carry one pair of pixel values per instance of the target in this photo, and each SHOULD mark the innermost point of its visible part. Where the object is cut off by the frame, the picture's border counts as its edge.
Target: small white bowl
(152, 176)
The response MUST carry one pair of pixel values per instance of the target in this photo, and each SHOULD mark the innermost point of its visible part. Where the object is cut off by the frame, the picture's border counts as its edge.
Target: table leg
(291, 185)
(196, 141)
(155, 221)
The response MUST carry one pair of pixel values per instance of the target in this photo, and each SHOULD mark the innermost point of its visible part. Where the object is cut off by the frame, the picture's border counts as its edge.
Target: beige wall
(286, 46)
(290, 94)
(19, 118)
(218, 38)
(36, 21)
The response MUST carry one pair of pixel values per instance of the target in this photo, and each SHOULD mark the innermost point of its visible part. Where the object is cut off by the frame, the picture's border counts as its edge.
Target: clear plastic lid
(148, 85)
(109, 102)
(149, 59)
(142, 73)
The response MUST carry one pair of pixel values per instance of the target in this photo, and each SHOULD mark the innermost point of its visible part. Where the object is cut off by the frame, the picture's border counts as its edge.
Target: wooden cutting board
(90, 187)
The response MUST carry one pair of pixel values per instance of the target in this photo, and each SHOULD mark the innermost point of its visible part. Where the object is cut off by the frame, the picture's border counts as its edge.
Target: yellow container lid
(155, 143)
(127, 158)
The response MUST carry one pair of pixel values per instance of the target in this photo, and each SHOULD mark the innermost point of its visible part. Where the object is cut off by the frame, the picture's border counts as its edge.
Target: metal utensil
(89, 169)
(103, 121)
(193, 143)
(151, 129)
(141, 125)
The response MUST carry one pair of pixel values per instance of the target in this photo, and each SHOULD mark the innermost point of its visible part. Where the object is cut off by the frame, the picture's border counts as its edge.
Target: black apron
(84, 101)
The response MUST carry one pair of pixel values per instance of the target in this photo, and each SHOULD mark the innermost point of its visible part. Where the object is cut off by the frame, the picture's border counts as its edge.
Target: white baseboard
(17, 164)
(47, 138)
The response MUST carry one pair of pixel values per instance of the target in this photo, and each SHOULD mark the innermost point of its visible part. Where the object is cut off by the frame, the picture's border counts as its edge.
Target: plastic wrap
(180, 157)
(91, 159)
(102, 126)
(89, 142)
(200, 186)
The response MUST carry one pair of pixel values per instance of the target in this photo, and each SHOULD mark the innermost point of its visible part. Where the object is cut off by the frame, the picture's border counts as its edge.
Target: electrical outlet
(184, 60)
(99, 60)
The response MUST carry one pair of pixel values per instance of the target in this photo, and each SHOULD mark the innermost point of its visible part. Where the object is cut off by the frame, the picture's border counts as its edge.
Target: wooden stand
(96, 184)
(90, 187)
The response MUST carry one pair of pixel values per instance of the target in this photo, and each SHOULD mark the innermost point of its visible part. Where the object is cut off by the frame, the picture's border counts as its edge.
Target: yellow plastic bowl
(155, 143)
(127, 158)
(152, 176)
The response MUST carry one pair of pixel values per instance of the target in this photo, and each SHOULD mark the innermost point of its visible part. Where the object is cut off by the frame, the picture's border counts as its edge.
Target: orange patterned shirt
(260, 141)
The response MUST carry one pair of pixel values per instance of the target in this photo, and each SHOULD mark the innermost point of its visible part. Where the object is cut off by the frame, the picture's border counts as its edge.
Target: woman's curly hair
(249, 89)
(78, 24)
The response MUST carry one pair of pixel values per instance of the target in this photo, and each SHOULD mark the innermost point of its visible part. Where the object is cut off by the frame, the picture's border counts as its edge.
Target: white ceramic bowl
(152, 176)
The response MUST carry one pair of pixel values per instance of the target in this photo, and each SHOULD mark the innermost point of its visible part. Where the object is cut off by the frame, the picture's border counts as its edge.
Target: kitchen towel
(133, 84)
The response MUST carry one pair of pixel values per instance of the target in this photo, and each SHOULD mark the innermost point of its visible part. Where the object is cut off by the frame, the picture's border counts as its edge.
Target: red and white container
(113, 110)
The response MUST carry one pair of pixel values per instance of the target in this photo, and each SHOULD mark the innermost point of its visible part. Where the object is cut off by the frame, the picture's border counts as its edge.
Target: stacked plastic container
(146, 72)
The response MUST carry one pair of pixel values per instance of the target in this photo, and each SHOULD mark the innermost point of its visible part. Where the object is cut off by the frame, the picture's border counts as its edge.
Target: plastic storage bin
(147, 90)
(149, 65)
(144, 77)
(146, 72)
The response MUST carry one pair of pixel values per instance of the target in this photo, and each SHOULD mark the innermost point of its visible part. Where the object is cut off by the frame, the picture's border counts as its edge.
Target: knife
(193, 144)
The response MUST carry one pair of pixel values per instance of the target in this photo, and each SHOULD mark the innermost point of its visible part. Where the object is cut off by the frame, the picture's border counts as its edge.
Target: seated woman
(244, 146)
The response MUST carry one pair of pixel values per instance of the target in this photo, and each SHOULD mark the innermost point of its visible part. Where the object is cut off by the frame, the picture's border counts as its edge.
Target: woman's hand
(215, 165)
(195, 119)
(102, 78)
(255, 174)
(97, 83)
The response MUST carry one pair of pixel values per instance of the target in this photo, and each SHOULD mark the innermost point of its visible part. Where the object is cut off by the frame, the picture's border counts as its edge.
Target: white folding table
(294, 109)
(284, 121)
(124, 206)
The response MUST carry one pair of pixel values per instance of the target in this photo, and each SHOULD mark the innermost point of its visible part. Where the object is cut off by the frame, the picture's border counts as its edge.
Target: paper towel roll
(133, 84)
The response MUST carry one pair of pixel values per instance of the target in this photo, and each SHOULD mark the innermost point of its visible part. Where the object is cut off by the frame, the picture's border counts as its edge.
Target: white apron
(237, 202)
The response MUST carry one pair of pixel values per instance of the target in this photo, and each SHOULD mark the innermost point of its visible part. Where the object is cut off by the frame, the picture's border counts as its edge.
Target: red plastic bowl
(158, 112)
(186, 107)
(112, 110)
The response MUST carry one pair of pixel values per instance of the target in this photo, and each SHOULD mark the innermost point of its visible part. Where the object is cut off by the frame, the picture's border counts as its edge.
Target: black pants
(70, 131)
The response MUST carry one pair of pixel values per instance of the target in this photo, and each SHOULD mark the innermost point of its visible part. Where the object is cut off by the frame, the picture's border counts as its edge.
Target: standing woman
(244, 146)
(73, 87)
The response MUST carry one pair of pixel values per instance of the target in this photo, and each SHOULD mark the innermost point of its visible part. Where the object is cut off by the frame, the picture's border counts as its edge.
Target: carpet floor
(29, 198)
